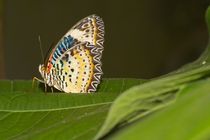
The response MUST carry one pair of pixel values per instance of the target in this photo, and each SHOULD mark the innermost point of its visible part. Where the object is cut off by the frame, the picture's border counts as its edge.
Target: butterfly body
(74, 64)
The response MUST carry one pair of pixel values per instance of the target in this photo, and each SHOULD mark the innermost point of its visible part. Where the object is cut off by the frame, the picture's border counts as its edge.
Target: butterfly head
(42, 71)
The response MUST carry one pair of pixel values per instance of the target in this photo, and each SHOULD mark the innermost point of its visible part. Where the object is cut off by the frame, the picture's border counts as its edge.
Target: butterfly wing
(89, 29)
(75, 62)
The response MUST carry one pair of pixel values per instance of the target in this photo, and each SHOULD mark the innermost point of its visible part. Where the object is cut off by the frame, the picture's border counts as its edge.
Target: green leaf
(28, 113)
(187, 119)
(144, 99)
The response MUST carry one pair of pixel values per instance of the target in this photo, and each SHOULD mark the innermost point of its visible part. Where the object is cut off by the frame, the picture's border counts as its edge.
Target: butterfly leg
(41, 81)
(52, 89)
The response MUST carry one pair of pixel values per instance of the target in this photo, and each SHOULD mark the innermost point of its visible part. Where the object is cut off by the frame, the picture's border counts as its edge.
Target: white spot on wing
(80, 35)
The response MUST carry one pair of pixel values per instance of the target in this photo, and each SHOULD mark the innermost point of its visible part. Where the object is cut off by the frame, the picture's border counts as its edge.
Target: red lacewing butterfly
(74, 64)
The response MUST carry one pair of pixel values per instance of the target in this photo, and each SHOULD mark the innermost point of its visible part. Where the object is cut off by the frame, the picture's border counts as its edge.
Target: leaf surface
(29, 113)
(187, 119)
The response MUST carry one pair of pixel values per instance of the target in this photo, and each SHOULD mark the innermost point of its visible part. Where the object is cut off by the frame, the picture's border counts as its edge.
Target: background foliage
(144, 38)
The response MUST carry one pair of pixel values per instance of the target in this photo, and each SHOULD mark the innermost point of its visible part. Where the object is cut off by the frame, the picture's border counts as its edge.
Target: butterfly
(74, 63)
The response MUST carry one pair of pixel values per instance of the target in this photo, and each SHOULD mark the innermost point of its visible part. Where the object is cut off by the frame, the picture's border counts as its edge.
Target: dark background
(144, 38)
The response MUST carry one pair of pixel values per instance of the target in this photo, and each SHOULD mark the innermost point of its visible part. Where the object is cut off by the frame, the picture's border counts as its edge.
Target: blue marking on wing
(55, 55)
(54, 58)
(68, 41)
(65, 44)
(61, 48)
(58, 53)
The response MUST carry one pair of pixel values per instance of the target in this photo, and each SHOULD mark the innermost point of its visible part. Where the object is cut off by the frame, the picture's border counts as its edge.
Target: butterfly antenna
(42, 54)
(40, 46)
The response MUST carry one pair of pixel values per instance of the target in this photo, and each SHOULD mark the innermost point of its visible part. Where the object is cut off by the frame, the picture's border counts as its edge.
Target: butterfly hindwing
(76, 69)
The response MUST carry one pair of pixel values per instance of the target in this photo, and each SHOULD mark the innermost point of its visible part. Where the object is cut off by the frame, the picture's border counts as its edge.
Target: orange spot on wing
(49, 65)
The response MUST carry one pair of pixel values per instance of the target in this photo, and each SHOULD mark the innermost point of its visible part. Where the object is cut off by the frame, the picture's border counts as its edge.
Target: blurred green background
(144, 38)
